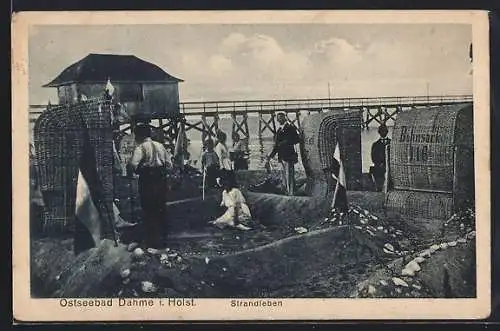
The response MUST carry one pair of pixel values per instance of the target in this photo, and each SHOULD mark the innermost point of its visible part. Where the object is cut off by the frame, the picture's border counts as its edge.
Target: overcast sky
(226, 62)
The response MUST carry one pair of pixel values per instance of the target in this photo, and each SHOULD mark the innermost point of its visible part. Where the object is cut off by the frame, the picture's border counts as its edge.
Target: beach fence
(432, 162)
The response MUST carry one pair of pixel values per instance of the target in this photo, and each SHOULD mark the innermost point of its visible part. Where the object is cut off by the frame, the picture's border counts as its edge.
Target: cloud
(237, 63)
(232, 42)
(220, 64)
(337, 51)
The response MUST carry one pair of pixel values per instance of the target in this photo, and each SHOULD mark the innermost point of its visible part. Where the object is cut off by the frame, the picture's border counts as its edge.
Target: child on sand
(237, 213)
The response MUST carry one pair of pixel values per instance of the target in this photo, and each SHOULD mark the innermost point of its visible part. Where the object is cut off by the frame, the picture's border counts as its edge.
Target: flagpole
(335, 194)
(386, 179)
(203, 185)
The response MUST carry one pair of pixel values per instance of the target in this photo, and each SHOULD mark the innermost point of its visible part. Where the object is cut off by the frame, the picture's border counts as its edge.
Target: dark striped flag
(340, 196)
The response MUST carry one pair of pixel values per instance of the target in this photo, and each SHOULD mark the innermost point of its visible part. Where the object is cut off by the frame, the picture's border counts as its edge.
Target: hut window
(131, 93)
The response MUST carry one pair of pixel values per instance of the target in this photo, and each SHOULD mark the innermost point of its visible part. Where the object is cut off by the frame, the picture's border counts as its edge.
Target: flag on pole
(110, 88)
(340, 195)
(180, 146)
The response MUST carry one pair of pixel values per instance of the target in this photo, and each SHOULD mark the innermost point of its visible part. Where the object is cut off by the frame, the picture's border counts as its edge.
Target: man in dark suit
(378, 154)
(285, 139)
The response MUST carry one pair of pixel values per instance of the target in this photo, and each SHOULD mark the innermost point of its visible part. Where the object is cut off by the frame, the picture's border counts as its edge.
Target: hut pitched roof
(97, 68)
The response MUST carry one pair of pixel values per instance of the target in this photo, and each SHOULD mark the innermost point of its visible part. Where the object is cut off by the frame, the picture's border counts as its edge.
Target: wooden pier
(205, 116)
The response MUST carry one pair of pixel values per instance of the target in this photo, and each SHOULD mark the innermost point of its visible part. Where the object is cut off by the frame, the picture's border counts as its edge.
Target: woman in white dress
(223, 152)
(237, 214)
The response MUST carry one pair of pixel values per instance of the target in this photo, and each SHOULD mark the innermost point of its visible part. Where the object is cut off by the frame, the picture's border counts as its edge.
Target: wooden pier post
(240, 127)
(209, 129)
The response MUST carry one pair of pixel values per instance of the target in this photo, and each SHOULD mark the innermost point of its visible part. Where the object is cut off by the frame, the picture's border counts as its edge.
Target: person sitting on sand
(237, 213)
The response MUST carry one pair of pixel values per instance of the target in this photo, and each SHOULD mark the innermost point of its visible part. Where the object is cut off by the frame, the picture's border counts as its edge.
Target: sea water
(259, 148)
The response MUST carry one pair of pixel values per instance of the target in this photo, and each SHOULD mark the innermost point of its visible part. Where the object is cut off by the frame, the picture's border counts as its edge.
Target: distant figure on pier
(378, 154)
(284, 145)
(210, 164)
(239, 153)
(222, 151)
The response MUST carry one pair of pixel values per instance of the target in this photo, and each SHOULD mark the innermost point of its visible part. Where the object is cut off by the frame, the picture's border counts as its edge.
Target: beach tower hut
(146, 90)
(432, 162)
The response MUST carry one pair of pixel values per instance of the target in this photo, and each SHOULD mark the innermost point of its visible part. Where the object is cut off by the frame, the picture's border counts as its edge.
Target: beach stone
(444, 245)
(419, 259)
(418, 287)
(132, 246)
(370, 233)
(389, 247)
(462, 240)
(452, 243)
(407, 272)
(413, 265)
(383, 282)
(153, 251)
(148, 287)
(371, 289)
(434, 248)
(424, 253)
(380, 228)
(399, 282)
(163, 258)
(125, 273)
(138, 252)
(471, 235)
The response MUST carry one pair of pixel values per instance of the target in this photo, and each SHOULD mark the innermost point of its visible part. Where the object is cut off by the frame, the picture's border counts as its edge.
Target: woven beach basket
(68, 138)
(320, 133)
(432, 161)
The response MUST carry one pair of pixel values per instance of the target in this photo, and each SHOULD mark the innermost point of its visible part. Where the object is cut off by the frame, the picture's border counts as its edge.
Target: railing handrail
(263, 105)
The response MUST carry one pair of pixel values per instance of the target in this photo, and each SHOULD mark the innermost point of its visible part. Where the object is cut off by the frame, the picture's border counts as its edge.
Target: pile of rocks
(393, 239)
(459, 224)
(137, 280)
(403, 277)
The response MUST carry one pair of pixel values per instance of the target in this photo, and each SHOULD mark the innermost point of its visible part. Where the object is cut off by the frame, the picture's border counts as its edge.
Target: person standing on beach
(378, 154)
(222, 151)
(210, 164)
(239, 153)
(150, 161)
(284, 145)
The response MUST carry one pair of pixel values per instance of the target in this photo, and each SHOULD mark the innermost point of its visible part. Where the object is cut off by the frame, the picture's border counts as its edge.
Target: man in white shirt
(151, 162)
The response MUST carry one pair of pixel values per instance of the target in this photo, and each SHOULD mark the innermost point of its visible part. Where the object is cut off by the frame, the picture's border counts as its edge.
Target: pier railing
(292, 105)
(204, 116)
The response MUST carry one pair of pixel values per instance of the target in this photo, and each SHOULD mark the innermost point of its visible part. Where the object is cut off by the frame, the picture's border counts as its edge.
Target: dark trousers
(289, 176)
(240, 164)
(378, 174)
(153, 195)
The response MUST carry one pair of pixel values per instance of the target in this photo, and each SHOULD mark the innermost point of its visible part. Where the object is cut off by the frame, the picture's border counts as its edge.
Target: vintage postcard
(263, 165)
